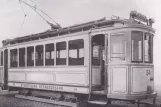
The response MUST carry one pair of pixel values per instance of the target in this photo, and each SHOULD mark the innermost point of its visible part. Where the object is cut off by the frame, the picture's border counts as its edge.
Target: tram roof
(71, 29)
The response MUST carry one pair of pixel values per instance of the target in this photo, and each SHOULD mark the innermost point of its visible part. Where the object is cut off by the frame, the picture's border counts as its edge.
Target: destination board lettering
(49, 87)
(41, 86)
(29, 85)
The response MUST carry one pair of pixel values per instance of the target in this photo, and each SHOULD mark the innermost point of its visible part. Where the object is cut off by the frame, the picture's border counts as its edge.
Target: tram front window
(137, 46)
(118, 47)
(148, 45)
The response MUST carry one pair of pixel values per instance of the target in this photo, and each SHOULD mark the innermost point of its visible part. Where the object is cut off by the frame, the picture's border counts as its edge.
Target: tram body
(113, 59)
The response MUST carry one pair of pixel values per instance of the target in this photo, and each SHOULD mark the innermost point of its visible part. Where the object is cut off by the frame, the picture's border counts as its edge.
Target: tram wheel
(132, 101)
(109, 101)
(138, 103)
(154, 100)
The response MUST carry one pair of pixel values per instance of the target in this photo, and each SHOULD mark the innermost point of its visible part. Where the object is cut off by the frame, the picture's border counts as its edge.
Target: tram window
(14, 58)
(96, 57)
(39, 55)
(76, 52)
(118, 47)
(22, 57)
(61, 53)
(137, 46)
(30, 56)
(49, 54)
(2, 58)
(148, 44)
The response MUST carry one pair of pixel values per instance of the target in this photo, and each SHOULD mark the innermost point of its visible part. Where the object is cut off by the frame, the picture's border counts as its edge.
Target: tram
(97, 61)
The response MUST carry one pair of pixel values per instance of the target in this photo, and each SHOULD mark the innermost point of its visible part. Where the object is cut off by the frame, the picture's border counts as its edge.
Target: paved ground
(7, 99)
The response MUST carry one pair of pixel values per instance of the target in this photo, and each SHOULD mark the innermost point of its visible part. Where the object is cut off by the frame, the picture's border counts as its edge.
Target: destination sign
(41, 86)
(50, 87)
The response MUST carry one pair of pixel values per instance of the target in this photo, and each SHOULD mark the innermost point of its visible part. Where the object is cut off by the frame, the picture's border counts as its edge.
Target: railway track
(8, 99)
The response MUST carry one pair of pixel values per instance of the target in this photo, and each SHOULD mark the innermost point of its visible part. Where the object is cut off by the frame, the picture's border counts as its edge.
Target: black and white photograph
(80, 53)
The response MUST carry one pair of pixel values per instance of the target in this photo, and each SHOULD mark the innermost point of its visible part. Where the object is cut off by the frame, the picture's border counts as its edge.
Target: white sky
(69, 12)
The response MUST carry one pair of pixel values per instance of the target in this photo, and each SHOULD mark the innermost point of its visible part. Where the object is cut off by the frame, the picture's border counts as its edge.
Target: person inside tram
(99, 55)
(103, 66)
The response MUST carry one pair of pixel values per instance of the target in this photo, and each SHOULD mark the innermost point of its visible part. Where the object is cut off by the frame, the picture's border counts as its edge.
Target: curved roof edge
(71, 29)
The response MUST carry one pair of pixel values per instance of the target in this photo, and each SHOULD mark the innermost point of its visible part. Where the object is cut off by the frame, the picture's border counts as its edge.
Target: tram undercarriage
(56, 98)
(74, 99)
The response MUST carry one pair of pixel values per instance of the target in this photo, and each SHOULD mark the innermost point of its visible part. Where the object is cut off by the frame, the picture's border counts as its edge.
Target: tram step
(102, 92)
(98, 102)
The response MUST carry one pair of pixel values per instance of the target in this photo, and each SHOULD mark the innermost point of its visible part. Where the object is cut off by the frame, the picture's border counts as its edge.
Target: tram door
(5, 69)
(99, 63)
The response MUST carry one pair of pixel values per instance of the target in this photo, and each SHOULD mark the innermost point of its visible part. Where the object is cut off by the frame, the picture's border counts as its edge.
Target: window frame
(96, 59)
(2, 58)
(124, 41)
(142, 46)
(57, 58)
(17, 59)
(28, 65)
(151, 46)
(24, 56)
(39, 47)
(77, 50)
(53, 64)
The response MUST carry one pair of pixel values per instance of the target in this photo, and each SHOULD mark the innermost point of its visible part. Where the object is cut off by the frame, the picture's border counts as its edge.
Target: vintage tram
(95, 62)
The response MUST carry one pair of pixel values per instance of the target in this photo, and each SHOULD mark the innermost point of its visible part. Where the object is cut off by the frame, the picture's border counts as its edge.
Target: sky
(69, 12)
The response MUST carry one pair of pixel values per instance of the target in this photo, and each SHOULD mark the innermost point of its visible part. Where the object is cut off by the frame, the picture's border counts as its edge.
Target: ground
(7, 99)
(158, 90)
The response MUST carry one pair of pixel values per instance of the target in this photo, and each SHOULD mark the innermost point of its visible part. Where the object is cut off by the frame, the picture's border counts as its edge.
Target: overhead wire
(36, 8)
(32, 1)
(25, 15)
(22, 8)
(22, 24)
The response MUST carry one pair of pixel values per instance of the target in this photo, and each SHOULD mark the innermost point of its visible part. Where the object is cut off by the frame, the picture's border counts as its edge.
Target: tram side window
(76, 52)
(39, 55)
(148, 43)
(22, 57)
(14, 58)
(61, 53)
(2, 58)
(30, 56)
(137, 46)
(96, 57)
(118, 47)
(49, 54)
